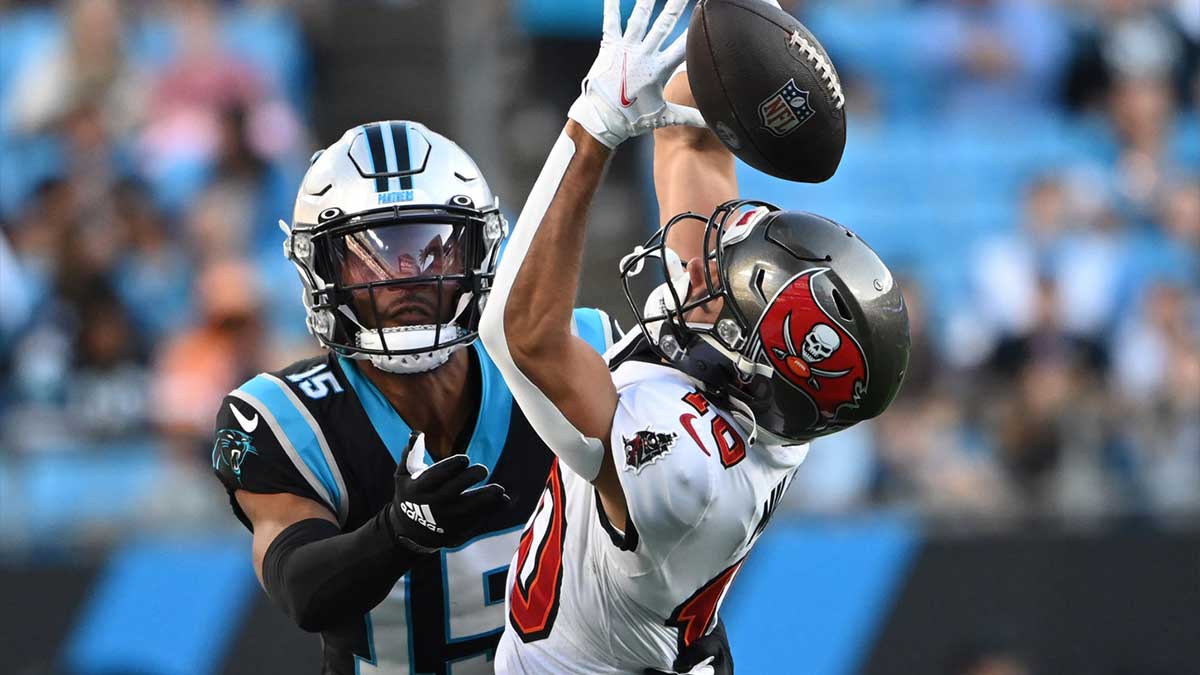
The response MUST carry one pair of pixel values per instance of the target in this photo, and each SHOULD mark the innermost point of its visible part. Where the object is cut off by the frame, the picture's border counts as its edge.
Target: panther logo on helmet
(811, 350)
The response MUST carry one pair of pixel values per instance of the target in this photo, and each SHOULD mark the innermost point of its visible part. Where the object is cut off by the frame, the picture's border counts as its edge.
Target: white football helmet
(395, 235)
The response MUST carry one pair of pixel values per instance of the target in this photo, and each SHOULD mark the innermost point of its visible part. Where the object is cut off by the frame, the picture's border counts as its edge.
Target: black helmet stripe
(403, 162)
(375, 149)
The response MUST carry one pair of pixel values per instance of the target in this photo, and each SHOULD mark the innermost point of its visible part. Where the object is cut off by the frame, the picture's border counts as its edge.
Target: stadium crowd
(148, 150)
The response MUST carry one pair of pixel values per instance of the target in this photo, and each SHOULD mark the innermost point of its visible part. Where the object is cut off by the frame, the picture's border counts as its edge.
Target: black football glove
(436, 507)
(709, 655)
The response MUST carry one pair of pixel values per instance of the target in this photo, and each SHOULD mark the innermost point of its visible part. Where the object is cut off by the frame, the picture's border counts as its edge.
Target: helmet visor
(402, 274)
(399, 251)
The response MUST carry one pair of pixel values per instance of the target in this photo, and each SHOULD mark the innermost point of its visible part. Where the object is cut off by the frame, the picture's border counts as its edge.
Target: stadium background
(1030, 504)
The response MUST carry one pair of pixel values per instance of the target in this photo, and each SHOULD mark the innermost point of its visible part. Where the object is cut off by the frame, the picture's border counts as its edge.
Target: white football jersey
(585, 598)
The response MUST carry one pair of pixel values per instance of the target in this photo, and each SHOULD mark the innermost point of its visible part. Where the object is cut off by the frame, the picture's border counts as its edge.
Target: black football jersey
(322, 430)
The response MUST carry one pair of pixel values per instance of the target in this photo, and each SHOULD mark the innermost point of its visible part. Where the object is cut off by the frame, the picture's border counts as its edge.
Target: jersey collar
(491, 423)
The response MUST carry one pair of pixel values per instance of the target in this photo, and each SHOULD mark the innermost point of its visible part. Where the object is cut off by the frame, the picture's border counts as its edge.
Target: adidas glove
(436, 507)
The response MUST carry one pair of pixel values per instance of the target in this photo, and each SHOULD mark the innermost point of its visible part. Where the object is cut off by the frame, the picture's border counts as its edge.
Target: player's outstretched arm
(693, 171)
(562, 385)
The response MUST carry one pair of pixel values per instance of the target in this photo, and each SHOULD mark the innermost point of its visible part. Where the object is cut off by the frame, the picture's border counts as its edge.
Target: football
(767, 88)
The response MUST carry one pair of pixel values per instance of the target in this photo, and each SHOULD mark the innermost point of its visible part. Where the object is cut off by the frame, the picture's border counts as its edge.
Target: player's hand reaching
(436, 507)
(623, 92)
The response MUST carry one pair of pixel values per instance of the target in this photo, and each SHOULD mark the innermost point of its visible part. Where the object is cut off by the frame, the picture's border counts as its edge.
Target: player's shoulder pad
(268, 440)
(595, 327)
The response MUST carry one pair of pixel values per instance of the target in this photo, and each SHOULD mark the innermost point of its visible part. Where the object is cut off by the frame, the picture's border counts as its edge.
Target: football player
(391, 545)
(673, 454)
(395, 547)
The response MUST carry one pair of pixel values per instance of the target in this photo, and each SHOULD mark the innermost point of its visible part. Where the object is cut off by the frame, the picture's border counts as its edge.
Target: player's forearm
(693, 171)
(322, 578)
(537, 314)
(691, 176)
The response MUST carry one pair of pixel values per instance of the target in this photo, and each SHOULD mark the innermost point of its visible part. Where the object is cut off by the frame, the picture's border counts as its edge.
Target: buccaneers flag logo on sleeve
(811, 350)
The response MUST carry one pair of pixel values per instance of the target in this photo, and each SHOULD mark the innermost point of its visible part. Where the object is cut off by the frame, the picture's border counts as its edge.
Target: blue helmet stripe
(375, 149)
(387, 131)
(403, 158)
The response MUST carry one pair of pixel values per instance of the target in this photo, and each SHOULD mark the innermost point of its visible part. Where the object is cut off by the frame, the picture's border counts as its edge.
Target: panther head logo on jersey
(232, 448)
(811, 350)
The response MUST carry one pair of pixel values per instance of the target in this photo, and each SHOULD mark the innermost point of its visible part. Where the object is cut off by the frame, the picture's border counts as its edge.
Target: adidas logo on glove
(421, 514)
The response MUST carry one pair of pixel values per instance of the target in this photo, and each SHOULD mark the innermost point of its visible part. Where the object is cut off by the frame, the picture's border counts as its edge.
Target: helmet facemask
(399, 286)
(812, 333)
(719, 354)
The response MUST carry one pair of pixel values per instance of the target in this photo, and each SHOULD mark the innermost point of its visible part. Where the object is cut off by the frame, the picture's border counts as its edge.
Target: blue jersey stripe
(495, 413)
(589, 324)
(491, 427)
(298, 432)
(392, 429)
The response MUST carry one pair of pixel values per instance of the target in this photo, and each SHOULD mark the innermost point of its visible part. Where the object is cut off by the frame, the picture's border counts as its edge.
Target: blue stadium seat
(63, 493)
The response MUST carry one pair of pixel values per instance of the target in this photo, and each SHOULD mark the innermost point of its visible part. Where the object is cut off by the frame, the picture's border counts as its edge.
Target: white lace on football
(821, 64)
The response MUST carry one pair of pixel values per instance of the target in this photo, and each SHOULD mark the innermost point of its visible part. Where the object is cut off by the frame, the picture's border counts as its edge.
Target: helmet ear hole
(842, 308)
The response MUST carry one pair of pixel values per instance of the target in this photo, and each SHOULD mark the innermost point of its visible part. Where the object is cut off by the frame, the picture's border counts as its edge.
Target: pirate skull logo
(820, 343)
(811, 350)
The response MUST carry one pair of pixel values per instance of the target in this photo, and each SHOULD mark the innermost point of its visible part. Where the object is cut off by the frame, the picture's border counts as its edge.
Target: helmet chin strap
(406, 339)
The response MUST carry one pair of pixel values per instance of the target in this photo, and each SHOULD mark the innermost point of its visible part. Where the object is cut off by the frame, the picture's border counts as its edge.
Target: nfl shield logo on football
(785, 110)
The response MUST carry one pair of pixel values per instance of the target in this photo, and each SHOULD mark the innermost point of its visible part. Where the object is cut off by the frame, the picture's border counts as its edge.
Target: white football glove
(623, 91)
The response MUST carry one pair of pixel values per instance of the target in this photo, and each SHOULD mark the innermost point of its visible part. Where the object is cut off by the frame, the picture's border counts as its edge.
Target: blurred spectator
(1169, 253)
(41, 232)
(154, 273)
(89, 65)
(1142, 114)
(994, 59)
(1131, 40)
(106, 396)
(256, 192)
(1006, 267)
(926, 461)
(196, 368)
(1181, 215)
(1054, 245)
(45, 246)
(1047, 409)
(1157, 397)
(197, 100)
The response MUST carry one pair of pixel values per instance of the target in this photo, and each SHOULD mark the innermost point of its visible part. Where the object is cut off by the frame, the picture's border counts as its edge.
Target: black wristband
(322, 578)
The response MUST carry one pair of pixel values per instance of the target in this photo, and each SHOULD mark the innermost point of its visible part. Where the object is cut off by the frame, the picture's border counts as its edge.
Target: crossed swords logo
(819, 344)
